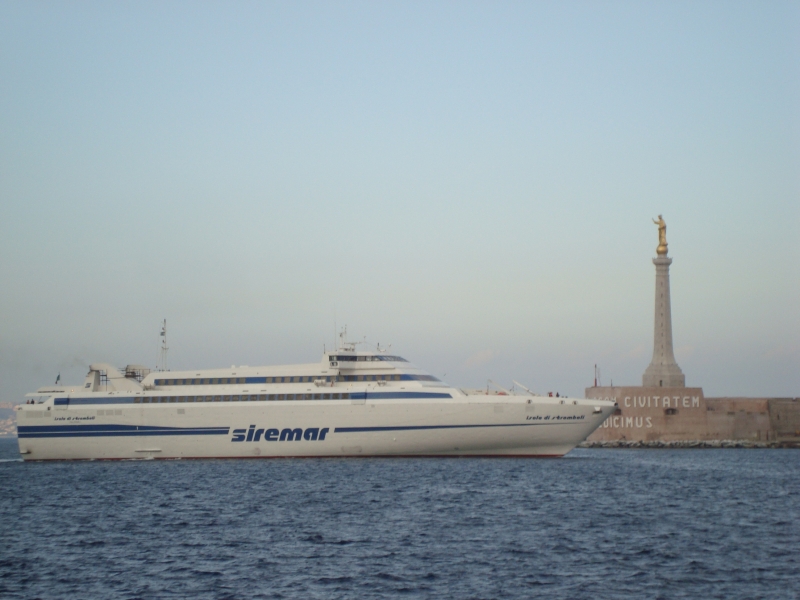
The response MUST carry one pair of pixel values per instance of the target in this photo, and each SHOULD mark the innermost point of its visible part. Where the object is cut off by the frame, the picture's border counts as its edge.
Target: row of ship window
(241, 398)
(235, 380)
(294, 379)
(366, 358)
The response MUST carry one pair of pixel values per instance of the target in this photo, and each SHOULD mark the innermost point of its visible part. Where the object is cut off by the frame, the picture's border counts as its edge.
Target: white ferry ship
(352, 403)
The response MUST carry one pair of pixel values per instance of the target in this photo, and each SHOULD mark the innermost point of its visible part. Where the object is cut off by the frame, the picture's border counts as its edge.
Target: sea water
(599, 523)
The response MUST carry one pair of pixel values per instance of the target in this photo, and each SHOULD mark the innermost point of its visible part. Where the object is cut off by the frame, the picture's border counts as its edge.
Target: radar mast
(164, 347)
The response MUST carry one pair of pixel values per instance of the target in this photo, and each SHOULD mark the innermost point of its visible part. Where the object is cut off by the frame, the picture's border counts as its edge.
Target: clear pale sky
(473, 183)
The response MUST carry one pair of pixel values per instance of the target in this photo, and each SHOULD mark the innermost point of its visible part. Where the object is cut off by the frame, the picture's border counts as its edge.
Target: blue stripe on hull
(426, 427)
(51, 431)
(370, 395)
(86, 434)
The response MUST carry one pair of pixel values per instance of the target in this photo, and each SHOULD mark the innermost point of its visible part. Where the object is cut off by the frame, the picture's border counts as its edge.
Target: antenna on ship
(164, 347)
(344, 345)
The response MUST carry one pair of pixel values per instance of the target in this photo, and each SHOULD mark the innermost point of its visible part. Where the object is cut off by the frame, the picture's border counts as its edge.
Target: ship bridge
(354, 366)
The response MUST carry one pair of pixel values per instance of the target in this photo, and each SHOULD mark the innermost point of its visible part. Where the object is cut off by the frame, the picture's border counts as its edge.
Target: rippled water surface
(599, 523)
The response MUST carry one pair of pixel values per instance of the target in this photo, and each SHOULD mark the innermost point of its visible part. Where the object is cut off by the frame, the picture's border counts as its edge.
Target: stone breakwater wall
(681, 444)
(659, 414)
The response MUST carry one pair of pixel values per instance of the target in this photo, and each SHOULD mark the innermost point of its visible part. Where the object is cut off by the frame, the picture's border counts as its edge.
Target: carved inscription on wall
(643, 411)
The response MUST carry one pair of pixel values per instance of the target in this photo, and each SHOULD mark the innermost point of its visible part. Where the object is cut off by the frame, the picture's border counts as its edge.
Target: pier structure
(663, 409)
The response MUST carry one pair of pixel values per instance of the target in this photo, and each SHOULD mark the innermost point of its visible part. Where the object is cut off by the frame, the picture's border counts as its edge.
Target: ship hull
(492, 425)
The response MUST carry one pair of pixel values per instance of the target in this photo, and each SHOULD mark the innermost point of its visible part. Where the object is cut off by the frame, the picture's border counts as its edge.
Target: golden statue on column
(662, 236)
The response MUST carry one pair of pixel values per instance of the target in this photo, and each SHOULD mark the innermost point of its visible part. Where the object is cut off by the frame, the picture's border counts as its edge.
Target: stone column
(663, 370)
